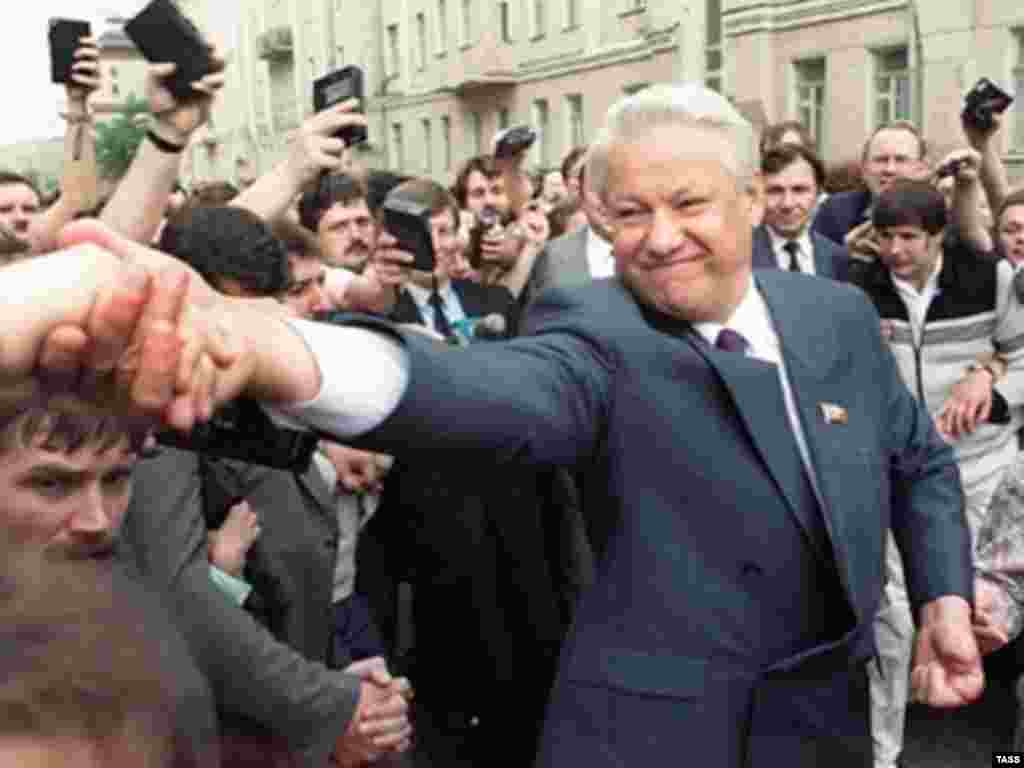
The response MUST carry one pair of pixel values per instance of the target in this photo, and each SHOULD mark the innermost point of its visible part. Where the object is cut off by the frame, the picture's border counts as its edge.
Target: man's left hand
(947, 668)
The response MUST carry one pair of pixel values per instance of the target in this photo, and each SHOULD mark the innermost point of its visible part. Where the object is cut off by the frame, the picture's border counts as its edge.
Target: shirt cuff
(235, 588)
(363, 376)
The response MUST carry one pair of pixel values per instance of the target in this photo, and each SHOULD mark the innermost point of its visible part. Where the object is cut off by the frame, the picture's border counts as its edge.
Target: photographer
(20, 204)
(137, 206)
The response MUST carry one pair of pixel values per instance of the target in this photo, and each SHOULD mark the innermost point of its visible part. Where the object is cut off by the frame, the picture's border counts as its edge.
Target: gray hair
(690, 104)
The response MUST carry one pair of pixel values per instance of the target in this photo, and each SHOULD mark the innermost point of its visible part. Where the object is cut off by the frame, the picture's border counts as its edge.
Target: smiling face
(682, 221)
(789, 198)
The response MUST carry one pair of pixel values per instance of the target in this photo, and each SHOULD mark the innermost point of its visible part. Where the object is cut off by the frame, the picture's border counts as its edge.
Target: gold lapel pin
(833, 414)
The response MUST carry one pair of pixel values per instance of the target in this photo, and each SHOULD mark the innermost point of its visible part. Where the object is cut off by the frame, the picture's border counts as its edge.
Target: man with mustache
(338, 213)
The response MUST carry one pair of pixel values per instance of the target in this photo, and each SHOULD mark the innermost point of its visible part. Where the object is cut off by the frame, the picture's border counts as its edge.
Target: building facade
(442, 76)
(843, 67)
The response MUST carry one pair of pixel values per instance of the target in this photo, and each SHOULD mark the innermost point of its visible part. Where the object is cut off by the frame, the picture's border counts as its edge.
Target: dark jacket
(705, 631)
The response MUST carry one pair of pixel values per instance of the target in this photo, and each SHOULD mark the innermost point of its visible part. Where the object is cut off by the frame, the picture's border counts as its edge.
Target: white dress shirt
(349, 405)
(754, 322)
(600, 260)
(917, 302)
(804, 257)
(452, 306)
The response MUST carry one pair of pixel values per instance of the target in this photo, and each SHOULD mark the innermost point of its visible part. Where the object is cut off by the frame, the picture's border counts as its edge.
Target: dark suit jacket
(262, 684)
(477, 301)
(701, 633)
(562, 262)
(830, 260)
(488, 596)
(840, 213)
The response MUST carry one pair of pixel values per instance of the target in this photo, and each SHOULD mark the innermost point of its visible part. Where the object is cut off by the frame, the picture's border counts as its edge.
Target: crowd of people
(694, 442)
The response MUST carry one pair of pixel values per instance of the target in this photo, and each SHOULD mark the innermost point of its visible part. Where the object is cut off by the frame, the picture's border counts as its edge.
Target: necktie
(441, 324)
(729, 340)
(792, 247)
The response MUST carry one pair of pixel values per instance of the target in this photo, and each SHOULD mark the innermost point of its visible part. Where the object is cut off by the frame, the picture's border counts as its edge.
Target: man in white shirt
(943, 307)
(793, 177)
(733, 610)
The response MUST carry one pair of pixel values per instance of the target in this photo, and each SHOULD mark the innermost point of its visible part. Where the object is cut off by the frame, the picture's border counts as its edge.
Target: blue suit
(730, 619)
(840, 213)
(830, 260)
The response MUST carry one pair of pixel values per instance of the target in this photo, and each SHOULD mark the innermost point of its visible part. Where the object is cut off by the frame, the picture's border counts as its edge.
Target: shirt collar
(421, 295)
(750, 318)
(803, 240)
(930, 285)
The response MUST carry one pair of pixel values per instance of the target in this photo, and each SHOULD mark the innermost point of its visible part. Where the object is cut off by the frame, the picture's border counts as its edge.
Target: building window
(428, 145)
(1018, 89)
(504, 22)
(446, 141)
(810, 97)
(713, 45)
(632, 88)
(442, 26)
(892, 86)
(466, 23)
(115, 89)
(394, 52)
(478, 133)
(504, 119)
(542, 147)
(574, 116)
(421, 41)
(398, 145)
(572, 14)
(537, 19)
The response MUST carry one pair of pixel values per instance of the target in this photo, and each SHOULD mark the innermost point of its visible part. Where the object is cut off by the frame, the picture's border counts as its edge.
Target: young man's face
(789, 198)
(18, 206)
(909, 252)
(74, 502)
(485, 192)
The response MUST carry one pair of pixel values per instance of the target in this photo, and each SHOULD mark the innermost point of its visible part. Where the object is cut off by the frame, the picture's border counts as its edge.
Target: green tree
(118, 139)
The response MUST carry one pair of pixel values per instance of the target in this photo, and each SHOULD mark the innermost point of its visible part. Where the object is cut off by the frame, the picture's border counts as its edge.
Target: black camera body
(513, 141)
(336, 87)
(65, 38)
(241, 430)
(163, 34)
(409, 222)
(982, 101)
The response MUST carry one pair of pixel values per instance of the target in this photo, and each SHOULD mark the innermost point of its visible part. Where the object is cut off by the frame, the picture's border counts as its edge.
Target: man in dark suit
(751, 439)
(468, 529)
(793, 177)
(576, 257)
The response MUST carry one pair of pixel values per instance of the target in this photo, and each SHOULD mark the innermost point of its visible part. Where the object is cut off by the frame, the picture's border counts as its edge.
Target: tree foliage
(118, 139)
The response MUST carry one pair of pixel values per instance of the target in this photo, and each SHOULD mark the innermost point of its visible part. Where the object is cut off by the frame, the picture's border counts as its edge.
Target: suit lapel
(755, 389)
(764, 258)
(809, 351)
